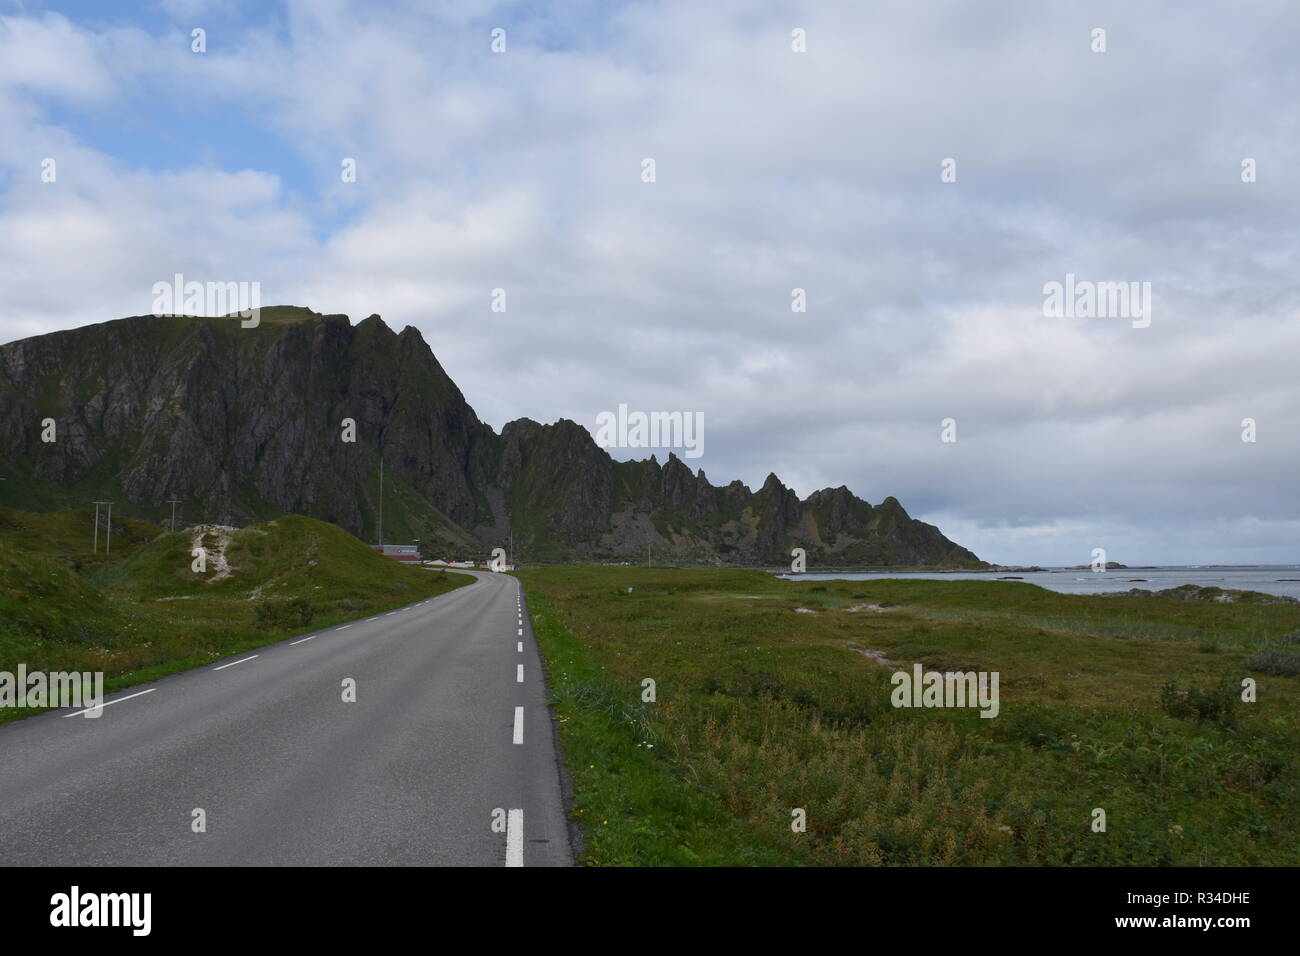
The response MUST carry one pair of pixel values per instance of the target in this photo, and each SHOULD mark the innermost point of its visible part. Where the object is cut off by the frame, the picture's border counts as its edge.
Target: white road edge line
(303, 641)
(343, 628)
(515, 838)
(108, 703)
(519, 725)
(233, 663)
(519, 674)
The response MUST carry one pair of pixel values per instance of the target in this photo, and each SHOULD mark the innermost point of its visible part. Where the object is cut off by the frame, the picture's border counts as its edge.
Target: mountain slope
(247, 424)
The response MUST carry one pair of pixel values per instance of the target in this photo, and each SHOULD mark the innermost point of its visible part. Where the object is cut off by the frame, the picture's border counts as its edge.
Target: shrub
(1281, 663)
(1216, 704)
(1174, 702)
(275, 615)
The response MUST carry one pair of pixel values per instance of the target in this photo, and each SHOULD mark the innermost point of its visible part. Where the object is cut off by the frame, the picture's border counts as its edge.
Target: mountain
(245, 424)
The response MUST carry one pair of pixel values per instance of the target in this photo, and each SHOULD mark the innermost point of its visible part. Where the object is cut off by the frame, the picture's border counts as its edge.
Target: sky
(795, 146)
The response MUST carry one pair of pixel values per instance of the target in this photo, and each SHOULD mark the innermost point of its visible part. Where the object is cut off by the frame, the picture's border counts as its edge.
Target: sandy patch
(877, 656)
(216, 557)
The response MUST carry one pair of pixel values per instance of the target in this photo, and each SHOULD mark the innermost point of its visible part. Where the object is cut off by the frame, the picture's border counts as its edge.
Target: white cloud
(776, 170)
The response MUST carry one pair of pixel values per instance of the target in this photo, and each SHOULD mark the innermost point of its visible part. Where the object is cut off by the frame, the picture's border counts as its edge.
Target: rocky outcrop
(295, 415)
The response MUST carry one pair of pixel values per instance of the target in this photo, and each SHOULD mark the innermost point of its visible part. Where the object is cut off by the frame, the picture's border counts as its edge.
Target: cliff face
(244, 424)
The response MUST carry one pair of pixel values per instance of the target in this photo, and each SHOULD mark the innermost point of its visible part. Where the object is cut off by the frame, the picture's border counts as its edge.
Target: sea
(1268, 579)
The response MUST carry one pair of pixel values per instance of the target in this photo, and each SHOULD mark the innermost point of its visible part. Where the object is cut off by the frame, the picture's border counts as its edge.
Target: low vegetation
(773, 696)
(144, 611)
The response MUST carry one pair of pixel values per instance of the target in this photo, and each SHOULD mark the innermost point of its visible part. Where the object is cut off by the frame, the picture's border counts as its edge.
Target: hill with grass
(295, 415)
(144, 611)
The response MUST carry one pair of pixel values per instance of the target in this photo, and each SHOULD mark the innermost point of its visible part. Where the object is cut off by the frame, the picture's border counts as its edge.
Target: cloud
(775, 171)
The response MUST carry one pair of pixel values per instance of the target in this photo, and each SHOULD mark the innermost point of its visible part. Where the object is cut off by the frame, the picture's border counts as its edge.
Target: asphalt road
(414, 772)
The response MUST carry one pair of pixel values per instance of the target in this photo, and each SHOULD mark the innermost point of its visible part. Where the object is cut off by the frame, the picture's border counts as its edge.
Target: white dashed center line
(519, 725)
(515, 838)
(294, 643)
(520, 648)
(233, 663)
(519, 674)
(111, 702)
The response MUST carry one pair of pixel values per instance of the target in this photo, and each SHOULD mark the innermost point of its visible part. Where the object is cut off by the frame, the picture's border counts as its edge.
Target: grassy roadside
(636, 806)
(146, 613)
(762, 709)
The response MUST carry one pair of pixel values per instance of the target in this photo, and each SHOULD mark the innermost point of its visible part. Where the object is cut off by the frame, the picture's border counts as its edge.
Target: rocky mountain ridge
(244, 424)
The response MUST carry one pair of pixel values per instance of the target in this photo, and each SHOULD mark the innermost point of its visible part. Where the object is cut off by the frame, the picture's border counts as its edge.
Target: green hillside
(144, 612)
(70, 534)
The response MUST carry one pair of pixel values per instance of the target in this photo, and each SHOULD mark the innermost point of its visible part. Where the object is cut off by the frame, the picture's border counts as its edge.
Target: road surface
(448, 733)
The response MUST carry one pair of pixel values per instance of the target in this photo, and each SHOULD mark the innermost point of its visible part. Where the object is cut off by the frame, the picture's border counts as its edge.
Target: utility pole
(647, 555)
(173, 504)
(108, 544)
(381, 499)
(108, 535)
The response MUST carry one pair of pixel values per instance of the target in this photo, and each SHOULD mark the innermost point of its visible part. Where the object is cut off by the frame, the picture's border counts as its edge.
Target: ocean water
(1264, 578)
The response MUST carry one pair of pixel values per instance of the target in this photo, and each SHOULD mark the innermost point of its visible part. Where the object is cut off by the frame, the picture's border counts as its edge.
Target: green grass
(144, 613)
(761, 710)
(70, 535)
(635, 806)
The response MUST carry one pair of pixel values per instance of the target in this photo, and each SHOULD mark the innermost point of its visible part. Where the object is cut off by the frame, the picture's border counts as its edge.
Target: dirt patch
(877, 656)
(216, 556)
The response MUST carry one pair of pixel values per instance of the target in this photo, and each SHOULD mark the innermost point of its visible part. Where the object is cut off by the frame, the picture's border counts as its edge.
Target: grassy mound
(145, 611)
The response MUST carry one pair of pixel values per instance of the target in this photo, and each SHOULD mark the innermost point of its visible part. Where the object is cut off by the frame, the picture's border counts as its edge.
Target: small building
(406, 553)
